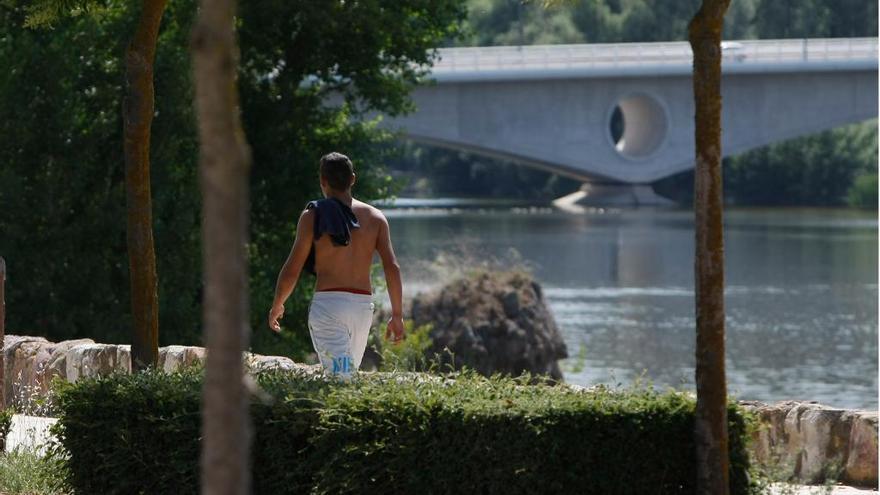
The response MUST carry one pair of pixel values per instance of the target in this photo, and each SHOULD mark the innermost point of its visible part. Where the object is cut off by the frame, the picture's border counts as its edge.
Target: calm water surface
(801, 291)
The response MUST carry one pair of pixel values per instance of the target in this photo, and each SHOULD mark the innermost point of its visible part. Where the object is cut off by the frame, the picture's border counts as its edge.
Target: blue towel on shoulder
(332, 217)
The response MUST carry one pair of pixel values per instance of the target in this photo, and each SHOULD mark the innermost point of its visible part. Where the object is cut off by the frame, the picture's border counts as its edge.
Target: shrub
(408, 355)
(393, 433)
(5, 423)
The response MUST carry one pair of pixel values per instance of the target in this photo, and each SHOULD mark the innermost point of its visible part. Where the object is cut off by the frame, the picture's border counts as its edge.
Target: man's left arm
(395, 330)
(292, 267)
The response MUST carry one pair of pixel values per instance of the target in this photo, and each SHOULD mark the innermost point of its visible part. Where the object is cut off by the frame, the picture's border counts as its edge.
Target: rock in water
(493, 322)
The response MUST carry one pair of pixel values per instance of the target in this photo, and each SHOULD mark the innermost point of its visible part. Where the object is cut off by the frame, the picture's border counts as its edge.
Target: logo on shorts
(342, 364)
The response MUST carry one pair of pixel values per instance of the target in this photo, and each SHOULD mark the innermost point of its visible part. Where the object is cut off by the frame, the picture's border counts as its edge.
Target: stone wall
(31, 363)
(815, 443)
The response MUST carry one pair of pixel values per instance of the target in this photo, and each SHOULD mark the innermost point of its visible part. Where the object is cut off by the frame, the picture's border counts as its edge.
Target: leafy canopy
(61, 165)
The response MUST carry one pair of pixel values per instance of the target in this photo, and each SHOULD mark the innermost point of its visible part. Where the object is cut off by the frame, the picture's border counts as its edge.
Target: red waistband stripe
(347, 289)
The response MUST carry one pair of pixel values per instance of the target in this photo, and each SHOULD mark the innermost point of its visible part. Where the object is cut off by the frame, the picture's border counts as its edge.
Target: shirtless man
(344, 234)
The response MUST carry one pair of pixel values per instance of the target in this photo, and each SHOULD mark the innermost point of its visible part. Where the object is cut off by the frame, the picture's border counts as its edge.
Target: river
(801, 294)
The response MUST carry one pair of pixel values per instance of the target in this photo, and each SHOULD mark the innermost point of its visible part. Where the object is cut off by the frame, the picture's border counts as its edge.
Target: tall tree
(138, 109)
(224, 165)
(137, 117)
(704, 35)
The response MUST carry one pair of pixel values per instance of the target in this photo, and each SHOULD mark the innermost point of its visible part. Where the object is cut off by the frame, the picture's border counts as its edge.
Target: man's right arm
(292, 267)
(392, 279)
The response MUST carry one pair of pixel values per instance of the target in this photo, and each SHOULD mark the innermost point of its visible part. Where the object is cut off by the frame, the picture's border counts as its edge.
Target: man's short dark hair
(337, 169)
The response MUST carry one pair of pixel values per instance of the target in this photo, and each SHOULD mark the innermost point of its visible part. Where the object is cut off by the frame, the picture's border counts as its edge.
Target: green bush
(400, 433)
(5, 423)
(409, 355)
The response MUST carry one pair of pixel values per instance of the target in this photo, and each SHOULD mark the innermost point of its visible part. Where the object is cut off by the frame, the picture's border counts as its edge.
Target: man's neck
(345, 196)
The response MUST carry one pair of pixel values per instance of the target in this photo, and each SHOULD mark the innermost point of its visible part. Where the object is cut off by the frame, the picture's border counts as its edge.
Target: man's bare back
(341, 268)
(349, 266)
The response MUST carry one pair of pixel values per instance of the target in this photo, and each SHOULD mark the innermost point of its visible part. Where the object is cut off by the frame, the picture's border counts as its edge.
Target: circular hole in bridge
(637, 125)
(617, 125)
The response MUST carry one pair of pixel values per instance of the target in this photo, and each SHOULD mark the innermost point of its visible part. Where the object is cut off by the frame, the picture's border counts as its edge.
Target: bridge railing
(636, 54)
(829, 49)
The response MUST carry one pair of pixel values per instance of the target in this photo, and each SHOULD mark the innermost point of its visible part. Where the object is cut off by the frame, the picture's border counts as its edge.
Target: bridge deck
(515, 62)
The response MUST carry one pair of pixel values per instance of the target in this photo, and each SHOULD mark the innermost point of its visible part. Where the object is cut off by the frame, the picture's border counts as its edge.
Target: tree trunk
(704, 34)
(137, 116)
(2, 332)
(224, 168)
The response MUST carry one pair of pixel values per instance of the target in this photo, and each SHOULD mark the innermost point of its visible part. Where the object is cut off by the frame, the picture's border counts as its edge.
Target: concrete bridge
(624, 112)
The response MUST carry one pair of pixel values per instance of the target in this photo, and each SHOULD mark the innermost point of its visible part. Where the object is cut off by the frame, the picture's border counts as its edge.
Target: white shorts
(339, 323)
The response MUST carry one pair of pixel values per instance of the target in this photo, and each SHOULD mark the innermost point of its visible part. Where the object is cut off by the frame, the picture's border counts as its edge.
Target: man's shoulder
(369, 209)
(308, 211)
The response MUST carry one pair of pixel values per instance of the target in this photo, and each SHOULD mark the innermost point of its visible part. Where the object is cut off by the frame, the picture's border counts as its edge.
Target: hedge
(392, 433)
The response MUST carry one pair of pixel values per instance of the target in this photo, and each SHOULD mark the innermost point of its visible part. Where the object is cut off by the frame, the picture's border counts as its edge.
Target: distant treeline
(830, 168)
(436, 172)
(511, 22)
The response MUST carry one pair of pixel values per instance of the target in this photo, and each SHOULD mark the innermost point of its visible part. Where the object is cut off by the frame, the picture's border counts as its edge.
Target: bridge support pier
(598, 194)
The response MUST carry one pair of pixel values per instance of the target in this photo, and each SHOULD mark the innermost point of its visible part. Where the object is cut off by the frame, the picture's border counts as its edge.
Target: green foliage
(501, 22)
(24, 472)
(816, 18)
(494, 22)
(409, 355)
(815, 170)
(812, 170)
(863, 193)
(155, 431)
(393, 433)
(42, 13)
(61, 165)
(5, 423)
(450, 173)
(62, 171)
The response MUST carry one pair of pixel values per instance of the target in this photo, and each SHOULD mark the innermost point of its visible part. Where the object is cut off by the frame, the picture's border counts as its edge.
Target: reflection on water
(801, 296)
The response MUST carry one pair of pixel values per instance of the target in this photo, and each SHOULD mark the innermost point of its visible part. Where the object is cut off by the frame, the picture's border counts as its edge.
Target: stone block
(18, 355)
(175, 357)
(861, 463)
(87, 360)
(822, 435)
